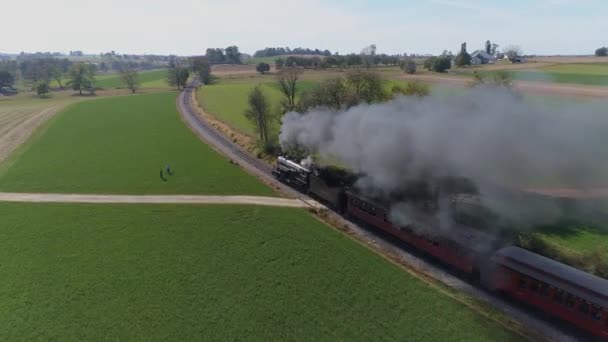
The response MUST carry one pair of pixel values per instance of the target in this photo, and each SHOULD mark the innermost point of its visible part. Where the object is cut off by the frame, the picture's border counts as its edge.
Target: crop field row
(135, 272)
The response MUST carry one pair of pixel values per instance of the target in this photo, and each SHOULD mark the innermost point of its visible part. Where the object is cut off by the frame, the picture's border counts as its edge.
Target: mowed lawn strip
(161, 272)
(118, 146)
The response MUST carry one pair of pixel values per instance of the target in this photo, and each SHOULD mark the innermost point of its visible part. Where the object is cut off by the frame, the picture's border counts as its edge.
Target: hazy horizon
(541, 27)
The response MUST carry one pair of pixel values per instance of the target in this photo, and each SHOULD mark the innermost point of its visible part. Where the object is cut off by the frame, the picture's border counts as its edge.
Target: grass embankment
(118, 145)
(134, 272)
(147, 79)
(584, 246)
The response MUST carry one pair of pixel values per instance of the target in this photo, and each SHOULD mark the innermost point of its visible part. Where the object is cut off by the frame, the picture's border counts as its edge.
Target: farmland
(119, 145)
(147, 79)
(228, 101)
(87, 272)
(587, 74)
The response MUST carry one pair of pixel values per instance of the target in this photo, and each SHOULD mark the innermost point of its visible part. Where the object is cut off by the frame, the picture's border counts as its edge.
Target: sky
(188, 27)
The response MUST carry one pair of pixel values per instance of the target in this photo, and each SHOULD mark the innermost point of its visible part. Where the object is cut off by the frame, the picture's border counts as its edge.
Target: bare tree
(288, 81)
(368, 55)
(258, 112)
(513, 51)
(130, 77)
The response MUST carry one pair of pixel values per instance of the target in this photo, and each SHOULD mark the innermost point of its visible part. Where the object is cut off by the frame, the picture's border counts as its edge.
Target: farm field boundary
(150, 199)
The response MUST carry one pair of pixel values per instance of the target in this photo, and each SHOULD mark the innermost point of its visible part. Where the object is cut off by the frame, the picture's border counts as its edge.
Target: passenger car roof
(575, 281)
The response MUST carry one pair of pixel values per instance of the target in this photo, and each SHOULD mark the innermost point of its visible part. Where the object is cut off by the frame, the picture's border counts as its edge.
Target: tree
(367, 85)
(288, 81)
(215, 56)
(412, 89)
(257, 112)
(233, 56)
(57, 74)
(262, 68)
(429, 63)
(408, 66)
(202, 68)
(279, 63)
(463, 59)
(489, 48)
(513, 51)
(130, 77)
(81, 76)
(332, 93)
(601, 52)
(177, 74)
(368, 55)
(6, 79)
(438, 64)
(42, 88)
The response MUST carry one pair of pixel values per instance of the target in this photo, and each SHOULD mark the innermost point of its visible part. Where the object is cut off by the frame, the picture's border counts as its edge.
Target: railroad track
(220, 139)
(263, 169)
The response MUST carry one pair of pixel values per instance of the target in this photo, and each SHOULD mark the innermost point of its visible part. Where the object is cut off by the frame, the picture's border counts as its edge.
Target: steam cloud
(489, 135)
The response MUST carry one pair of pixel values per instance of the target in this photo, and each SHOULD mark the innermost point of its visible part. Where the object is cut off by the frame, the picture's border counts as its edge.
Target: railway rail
(545, 328)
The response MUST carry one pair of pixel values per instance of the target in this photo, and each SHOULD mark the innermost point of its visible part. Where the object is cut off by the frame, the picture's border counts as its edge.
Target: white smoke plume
(489, 135)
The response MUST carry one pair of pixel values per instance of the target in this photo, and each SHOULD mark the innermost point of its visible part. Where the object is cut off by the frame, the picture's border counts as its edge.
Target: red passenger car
(557, 289)
(461, 250)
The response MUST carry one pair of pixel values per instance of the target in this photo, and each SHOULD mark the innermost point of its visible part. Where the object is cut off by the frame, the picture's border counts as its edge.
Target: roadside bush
(463, 59)
(42, 88)
(262, 68)
(408, 66)
(438, 64)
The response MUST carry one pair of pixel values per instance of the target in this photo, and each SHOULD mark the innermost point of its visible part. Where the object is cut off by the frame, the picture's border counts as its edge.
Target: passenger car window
(558, 296)
(544, 289)
(570, 300)
(522, 283)
(584, 307)
(596, 312)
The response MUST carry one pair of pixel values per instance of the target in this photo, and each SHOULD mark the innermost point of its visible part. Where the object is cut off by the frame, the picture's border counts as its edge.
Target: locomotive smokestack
(491, 136)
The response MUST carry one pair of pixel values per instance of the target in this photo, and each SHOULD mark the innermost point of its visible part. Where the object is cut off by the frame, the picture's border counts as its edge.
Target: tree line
(358, 86)
(338, 61)
(283, 51)
(229, 55)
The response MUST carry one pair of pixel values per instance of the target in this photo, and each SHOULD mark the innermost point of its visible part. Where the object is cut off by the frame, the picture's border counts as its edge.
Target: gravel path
(150, 199)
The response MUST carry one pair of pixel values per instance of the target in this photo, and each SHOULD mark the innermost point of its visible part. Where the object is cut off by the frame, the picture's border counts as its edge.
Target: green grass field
(228, 100)
(86, 272)
(118, 145)
(147, 79)
(588, 74)
(269, 60)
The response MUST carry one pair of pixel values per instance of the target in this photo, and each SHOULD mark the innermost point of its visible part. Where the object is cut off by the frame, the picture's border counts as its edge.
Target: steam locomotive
(557, 289)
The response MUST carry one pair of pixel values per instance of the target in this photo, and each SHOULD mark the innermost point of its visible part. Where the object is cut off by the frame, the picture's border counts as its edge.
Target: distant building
(482, 57)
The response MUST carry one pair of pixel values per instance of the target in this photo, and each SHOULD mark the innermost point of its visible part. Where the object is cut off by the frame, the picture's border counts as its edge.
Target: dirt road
(151, 199)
